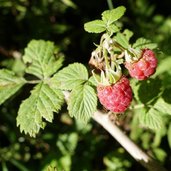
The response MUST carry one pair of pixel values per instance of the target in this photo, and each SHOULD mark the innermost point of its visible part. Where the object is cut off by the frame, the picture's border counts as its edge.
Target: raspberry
(116, 97)
(144, 67)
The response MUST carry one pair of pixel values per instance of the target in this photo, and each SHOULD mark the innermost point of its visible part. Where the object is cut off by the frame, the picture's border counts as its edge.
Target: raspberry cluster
(114, 91)
(144, 67)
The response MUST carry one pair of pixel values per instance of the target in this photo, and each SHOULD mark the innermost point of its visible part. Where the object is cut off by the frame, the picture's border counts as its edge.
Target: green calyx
(132, 55)
(109, 62)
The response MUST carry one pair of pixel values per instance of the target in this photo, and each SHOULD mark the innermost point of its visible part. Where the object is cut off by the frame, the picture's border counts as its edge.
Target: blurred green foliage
(67, 144)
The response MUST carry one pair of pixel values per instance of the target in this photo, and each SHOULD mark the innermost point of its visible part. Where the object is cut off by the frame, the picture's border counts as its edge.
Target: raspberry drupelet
(116, 97)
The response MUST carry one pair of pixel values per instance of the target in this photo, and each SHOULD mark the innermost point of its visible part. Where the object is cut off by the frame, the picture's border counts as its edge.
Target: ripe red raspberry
(116, 97)
(144, 67)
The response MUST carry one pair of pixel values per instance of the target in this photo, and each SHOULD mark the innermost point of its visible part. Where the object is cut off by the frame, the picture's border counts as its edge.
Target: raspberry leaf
(164, 67)
(122, 40)
(40, 106)
(112, 29)
(163, 106)
(151, 119)
(169, 135)
(128, 34)
(149, 90)
(110, 16)
(96, 26)
(70, 76)
(9, 84)
(82, 102)
(94, 80)
(40, 58)
(142, 43)
(107, 22)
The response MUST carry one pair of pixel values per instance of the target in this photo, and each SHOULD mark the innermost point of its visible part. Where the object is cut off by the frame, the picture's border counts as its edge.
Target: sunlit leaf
(142, 43)
(128, 34)
(122, 40)
(9, 84)
(163, 106)
(70, 76)
(82, 102)
(164, 66)
(152, 119)
(41, 60)
(40, 106)
(112, 28)
(96, 26)
(110, 16)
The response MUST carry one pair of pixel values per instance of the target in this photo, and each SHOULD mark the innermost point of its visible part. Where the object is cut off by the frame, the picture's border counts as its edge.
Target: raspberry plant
(114, 60)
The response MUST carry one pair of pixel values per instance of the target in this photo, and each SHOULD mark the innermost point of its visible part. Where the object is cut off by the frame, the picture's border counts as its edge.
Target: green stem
(33, 81)
(106, 58)
(4, 167)
(138, 106)
(110, 4)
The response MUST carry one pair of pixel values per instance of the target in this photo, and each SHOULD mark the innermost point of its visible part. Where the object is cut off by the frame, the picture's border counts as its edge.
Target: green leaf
(70, 76)
(160, 154)
(82, 102)
(41, 104)
(128, 34)
(169, 135)
(9, 84)
(96, 26)
(122, 40)
(40, 57)
(112, 28)
(67, 143)
(142, 43)
(164, 66)
(163, 106)
(50, 168)
(94, 80)
(149, 90)
(151, 119)
(110, 16)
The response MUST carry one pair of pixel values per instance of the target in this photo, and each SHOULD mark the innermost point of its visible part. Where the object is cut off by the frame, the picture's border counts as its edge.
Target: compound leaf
(70, 76)
(110, 16)
(41, 60)
(82, 102)
(9, 84)
(41, 104)
(96, 26)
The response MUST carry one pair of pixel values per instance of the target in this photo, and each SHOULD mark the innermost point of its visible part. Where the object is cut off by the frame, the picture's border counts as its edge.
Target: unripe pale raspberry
(144, 67)
(116, 97)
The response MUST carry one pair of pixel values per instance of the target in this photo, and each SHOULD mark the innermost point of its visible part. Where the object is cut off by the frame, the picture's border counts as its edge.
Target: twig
(140, 156)
(128, 144)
